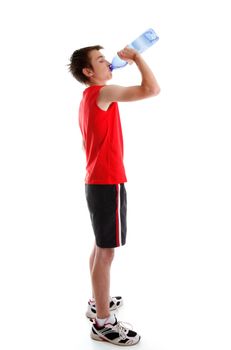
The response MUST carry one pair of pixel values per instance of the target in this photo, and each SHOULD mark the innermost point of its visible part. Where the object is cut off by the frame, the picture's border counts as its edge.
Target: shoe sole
(98, 338)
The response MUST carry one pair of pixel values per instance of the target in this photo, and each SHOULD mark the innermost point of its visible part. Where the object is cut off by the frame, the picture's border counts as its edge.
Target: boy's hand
(128, 54)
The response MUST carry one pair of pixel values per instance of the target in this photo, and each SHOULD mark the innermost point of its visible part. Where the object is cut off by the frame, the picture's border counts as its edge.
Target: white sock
(111, 319)
(101, 321)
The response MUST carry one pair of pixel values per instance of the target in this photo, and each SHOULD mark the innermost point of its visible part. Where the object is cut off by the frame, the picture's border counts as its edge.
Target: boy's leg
(91, 264)
(100, 275)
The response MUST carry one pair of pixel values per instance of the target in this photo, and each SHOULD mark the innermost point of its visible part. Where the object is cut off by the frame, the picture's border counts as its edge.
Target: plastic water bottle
(143, 42)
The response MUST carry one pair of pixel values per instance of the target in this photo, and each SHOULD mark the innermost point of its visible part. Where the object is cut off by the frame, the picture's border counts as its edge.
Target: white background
(174, 272)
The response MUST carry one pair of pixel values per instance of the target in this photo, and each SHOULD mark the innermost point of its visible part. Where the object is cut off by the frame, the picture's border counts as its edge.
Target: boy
(99, 121)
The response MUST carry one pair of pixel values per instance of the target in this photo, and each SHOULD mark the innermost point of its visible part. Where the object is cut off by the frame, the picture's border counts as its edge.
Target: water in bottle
(143, 42)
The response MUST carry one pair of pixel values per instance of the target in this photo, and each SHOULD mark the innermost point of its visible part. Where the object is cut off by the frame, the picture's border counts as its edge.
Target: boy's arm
(148, 87)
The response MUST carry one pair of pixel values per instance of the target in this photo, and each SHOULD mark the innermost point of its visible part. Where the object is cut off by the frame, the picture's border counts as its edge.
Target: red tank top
(102, 134)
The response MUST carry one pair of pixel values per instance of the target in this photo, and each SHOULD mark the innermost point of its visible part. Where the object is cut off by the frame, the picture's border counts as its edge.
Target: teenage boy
(106, 196)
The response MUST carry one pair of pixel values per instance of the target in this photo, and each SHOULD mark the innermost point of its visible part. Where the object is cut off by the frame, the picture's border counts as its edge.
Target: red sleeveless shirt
(102, 134)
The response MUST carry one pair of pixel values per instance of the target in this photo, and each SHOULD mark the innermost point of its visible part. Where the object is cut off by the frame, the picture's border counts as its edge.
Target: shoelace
(121, 328)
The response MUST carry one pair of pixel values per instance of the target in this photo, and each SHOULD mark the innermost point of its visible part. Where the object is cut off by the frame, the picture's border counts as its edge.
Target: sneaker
(115, 303)
(116, 334)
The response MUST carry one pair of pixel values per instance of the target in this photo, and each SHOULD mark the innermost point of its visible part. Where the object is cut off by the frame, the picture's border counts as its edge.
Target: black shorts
(107, 205)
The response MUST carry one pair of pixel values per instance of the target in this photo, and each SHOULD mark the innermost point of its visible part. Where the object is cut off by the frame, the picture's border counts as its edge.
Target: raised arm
(147, 88)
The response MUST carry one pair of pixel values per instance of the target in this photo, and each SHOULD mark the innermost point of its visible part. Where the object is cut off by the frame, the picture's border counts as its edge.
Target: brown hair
(80, 59)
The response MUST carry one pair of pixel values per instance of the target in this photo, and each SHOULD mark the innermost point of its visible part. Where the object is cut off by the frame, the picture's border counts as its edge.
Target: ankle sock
(111, 319)
(101, 321)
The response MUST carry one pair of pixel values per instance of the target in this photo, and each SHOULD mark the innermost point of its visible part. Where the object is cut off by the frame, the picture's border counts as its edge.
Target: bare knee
(105, 255)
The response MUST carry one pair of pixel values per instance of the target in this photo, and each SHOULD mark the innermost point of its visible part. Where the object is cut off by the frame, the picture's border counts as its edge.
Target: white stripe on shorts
(120, 238)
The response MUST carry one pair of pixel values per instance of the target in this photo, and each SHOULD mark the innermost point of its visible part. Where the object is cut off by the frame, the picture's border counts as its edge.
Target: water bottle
(143, 42)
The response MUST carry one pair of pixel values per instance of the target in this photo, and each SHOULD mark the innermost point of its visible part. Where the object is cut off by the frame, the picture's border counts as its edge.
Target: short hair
(81, 59)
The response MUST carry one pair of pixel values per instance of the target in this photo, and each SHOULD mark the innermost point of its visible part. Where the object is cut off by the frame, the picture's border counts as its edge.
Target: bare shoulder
(109, 92)
(107, 95)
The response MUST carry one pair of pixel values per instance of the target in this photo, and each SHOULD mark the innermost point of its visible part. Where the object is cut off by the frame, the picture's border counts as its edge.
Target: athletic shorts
(107, 205)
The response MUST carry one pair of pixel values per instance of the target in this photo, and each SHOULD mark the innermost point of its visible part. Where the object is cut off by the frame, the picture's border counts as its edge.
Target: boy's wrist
(136, 56)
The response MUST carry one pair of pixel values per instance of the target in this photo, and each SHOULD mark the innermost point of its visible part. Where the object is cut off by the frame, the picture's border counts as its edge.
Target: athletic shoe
(115, 303)
(116, 334)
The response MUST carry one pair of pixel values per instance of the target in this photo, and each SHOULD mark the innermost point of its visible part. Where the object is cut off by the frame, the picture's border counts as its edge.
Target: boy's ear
(87, 71)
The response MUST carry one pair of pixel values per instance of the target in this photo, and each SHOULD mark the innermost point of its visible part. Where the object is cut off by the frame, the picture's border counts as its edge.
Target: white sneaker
(116, 334)
(115, 303)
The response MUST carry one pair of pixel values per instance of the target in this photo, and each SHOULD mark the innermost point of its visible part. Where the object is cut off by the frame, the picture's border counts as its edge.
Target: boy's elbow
(151, 91)
(155, 91)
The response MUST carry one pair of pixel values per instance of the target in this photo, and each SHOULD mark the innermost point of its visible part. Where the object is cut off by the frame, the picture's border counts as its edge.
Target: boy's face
(101, 71)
